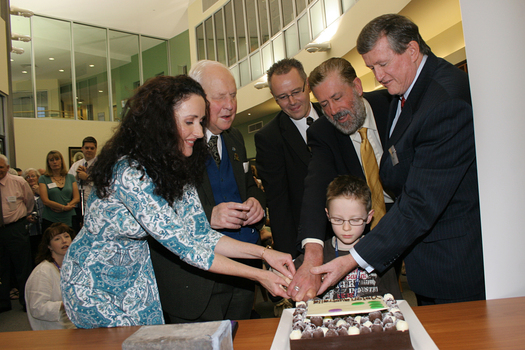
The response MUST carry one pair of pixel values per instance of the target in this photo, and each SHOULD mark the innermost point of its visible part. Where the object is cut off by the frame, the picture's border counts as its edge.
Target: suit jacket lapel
(293, 137)
(414, 99)
(205, 190)
(352, 162)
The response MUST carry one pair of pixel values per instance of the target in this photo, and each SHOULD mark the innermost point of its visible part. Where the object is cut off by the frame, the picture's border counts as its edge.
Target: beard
(357, 117)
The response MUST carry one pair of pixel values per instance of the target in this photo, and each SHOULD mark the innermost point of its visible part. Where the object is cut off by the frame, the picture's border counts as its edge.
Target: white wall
(34, 138)
(495, 48)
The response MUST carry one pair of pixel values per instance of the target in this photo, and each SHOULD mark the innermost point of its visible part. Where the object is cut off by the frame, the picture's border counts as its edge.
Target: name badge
(51, 185)
(393, 155)
(11, 199)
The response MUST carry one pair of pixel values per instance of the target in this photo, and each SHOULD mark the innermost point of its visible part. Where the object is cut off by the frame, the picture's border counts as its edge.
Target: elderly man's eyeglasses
(294, 94)
(352, 222)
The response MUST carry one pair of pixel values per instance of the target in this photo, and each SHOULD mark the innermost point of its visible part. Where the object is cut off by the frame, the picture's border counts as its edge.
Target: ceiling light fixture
(261, 85)
(20, 37)
(318, 47)
(51, 58)
(91, 66)
(17, 11)
(17, 50)
(61, 70)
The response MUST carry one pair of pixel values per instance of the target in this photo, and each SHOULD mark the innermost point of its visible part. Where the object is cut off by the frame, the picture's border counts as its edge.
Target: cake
(363, 323)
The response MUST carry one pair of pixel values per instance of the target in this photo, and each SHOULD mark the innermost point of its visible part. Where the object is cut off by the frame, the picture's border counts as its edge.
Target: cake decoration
(365, 323)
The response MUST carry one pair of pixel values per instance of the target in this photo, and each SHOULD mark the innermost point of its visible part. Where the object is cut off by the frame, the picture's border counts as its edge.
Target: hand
(305, 285)
(334, 271)
(36, 189)
(31, 219)
(69, 207)
(255, 213)
(273, 283)
(229, 215)
(281, 262)
(82, 173)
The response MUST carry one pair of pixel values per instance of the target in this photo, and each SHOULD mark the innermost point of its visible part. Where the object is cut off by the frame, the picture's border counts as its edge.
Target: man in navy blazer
(335, 143)
(430, 164)
(282, 153)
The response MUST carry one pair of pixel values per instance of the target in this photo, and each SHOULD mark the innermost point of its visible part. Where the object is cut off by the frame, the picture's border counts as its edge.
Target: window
(82, 89)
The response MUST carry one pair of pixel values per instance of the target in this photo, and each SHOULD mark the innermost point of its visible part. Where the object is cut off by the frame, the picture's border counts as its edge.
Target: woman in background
(45, 309)
(59, 192)
(144, 182)
(31, 175)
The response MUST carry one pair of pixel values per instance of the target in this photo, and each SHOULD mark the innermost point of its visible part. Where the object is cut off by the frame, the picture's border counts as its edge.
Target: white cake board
(418, 335)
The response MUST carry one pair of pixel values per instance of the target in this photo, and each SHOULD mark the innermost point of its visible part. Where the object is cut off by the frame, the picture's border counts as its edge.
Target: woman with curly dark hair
(144, 182)
(45, 309)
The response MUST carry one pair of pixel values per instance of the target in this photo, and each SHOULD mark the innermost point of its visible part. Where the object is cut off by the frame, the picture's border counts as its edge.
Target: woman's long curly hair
(149, 135)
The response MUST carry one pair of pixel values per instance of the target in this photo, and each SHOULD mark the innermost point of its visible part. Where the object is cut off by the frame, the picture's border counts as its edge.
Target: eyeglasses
(352, 222)
(294, 94)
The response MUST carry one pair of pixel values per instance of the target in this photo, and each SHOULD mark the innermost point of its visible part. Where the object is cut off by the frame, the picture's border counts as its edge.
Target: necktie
(368, 159)
(1, 210)
(402, 102)
(309, 121)
(214, 150)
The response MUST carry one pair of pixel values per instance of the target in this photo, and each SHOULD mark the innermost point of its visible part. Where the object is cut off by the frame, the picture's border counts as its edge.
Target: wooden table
(494, 324)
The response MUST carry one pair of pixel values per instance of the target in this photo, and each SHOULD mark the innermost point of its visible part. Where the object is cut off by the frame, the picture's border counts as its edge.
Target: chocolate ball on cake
(331, 333)
(317, 320)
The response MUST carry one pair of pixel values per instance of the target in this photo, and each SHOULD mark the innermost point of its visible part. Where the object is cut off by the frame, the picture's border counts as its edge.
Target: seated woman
(45, 309)
(144, 184)
(31, 175)
(59, 192)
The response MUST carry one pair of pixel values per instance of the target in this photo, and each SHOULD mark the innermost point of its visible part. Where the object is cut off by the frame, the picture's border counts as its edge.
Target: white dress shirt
(301, 124)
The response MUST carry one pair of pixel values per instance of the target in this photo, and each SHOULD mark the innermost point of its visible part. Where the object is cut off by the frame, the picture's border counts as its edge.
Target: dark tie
(369, 161)
(309, 121)
(402, 102)
(214, 150)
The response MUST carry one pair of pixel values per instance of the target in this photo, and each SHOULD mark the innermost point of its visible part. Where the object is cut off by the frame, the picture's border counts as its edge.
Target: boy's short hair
(350, 187)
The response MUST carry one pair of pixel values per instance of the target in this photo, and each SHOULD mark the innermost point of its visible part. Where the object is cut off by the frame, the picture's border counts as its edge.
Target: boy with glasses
(349, 210)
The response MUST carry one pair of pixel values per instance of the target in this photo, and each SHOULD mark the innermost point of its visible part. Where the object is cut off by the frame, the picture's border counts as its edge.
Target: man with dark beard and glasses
(335, 141)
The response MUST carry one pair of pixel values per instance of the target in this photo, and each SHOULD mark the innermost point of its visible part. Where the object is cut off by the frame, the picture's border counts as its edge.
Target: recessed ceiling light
(24, 72)
(61, 70)
(91, 66)
(249, 114)
(12, 60)
(51, 58)
(100, 91)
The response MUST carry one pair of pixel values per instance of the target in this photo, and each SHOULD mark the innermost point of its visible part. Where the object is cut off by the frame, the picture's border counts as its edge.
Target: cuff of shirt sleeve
(359, 260)
(311, 240)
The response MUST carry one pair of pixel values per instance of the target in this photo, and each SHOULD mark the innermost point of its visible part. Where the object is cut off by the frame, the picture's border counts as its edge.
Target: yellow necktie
(369, 161)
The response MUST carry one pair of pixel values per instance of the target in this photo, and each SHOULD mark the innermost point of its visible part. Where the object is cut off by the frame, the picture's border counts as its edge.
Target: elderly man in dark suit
(233, 205)
(429, 164)
(335, 141)
(282, 153)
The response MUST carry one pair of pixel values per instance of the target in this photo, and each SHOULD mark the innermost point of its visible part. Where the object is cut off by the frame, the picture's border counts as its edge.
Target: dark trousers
(231, 299)
(15, 260)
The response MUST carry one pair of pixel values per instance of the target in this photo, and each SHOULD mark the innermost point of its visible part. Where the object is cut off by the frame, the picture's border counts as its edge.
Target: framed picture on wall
(75, 153)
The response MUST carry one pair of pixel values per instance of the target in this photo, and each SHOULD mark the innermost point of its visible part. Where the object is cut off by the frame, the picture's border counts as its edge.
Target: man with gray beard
(335, 144)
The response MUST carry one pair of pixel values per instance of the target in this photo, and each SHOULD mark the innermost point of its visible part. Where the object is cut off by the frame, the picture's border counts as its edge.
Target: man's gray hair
(5, 159)
(198, 69)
